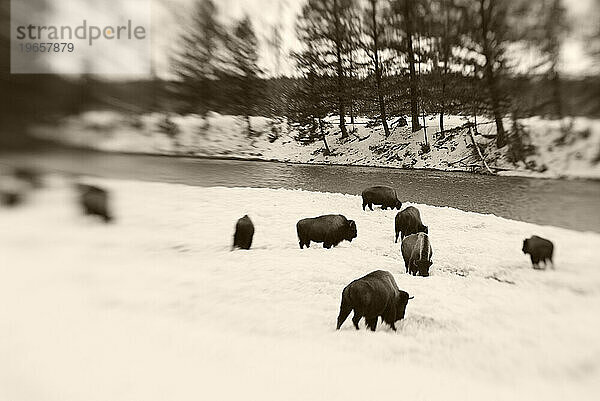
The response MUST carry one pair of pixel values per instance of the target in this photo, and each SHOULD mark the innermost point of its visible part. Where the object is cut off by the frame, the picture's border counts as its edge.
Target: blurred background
(508, 88)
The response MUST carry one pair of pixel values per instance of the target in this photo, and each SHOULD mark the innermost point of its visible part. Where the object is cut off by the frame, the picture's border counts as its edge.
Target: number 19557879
(53, 47)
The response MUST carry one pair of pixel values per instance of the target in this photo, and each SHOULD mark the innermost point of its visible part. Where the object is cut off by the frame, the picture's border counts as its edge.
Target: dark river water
(572, 204)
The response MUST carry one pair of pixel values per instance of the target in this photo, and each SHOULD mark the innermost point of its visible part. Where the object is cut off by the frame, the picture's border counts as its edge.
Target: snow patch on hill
(226, 136)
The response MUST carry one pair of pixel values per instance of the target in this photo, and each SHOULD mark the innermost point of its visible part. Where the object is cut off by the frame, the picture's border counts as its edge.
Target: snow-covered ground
(156, 307)
(578, 156)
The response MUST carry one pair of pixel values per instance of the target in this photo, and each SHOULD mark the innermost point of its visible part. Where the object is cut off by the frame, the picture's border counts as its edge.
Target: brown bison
(380, 195)
(244, 232)
(371, 296)
(29, 175)
(94, 201)
(539, 249)
(10, 199)
(417, 253)
(409, 222)
(330, 229)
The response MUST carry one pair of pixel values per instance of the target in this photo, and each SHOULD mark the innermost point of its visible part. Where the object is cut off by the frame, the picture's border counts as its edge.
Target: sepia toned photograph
(299, 200)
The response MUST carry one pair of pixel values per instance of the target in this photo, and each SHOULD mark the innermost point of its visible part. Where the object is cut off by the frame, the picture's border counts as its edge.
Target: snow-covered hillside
(578, 156)
(156, 307)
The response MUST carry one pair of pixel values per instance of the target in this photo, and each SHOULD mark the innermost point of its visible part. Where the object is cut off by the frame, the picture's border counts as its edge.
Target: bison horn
(411, 297)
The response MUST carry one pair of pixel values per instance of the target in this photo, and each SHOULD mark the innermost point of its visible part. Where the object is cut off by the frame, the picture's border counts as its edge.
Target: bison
(417, 253)
(409, 222)
(29, 175)
(94, 201)
(371, 296)
(539, 249)
(330, 229)
(380, 195)
(244, 232)
(10, 198)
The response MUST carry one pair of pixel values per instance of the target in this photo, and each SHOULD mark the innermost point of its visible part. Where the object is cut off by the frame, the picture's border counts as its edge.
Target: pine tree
(490, 34)
(375, 42)
(405, 25)
(311, 103)
(244, 69)
(328, 24)
(197, 64)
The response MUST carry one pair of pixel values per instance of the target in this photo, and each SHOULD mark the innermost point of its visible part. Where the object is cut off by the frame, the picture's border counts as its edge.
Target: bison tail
(345, 310)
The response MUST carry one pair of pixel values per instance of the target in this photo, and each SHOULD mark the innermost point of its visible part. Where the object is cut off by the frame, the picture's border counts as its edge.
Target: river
(571, 204)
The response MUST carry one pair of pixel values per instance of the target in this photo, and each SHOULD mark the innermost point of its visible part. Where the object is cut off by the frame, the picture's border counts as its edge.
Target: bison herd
(377, 294)
(372, 296)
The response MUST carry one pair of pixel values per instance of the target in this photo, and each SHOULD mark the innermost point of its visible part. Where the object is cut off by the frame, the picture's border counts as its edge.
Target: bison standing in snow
(94, 201)
(539, 249)
(409, 222)
(380, 195)
(10, 199)
(417, 253)
(330, 229)
(29, 175)
(371, 296)
(244, 232)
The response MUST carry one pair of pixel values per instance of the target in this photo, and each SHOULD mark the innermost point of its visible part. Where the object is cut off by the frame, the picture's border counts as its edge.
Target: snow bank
(156, 307)
(226, 136)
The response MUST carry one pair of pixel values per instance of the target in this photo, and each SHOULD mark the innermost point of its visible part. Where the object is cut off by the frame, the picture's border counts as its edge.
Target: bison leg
(372, 323)
(356, 318)
(396, 240)
(301, 244)
(326, 245)
(406, 264)
(364, 204)
(371, 206)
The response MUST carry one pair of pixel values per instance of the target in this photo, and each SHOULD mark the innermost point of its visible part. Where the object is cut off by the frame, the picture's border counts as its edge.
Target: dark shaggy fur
(30, 175)
(371, 296)
(539, 249)
(10, 199)
(244, 232)
(409, 222)
(417, 253)
(330, 229)
(94, 201)
(380, 195)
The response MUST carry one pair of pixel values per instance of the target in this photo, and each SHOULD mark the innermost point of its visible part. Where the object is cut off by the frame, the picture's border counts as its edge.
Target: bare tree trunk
(446, 47)
(491, 77)
(380, 98)
(422, 97)
(323, 137)
(556, 93)
(249, 127)
(414, 107)
(340, 72)
(351, 92)
(479, 152)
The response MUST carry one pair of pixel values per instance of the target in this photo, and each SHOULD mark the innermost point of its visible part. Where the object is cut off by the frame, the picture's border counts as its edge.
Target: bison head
(424, 229)
(401, 303)
(422, 266)
(525, 246)
(351, 232)
(398, 205)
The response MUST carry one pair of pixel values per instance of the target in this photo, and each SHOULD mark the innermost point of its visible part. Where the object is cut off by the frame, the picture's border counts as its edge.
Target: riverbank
(578, 156)
(155, 305)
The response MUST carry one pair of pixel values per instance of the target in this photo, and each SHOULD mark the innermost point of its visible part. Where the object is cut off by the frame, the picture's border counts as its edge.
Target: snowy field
(156, 307)
(578, 156)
